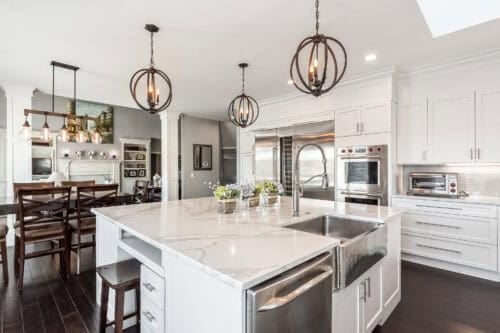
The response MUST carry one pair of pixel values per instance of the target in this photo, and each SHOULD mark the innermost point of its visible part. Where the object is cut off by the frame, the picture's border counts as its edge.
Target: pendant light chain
(243, 81)
(53, 85)
(152, 62)
(317, 17)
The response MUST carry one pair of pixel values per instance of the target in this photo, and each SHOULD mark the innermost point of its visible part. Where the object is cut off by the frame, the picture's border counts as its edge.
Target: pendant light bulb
(81, 136)
(63, 133)
(96, 138)
(25, 133)
(46, 135)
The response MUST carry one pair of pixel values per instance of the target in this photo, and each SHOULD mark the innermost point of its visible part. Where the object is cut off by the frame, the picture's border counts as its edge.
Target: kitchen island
(198, 264)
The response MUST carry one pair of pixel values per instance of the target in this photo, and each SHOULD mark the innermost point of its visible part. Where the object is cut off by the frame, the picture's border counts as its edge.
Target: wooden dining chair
(141, 191)
(75, 183)
(83, 222)
(18, 186)
(43, 216)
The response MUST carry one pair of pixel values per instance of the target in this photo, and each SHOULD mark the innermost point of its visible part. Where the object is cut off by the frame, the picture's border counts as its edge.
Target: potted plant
(227, 196)
(249, 196)
(268, 193)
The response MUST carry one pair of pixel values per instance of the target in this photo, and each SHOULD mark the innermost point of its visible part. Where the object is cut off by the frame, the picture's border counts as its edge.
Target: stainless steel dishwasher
(296, 301)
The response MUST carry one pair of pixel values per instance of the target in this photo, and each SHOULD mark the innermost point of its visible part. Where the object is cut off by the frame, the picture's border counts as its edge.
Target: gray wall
(128, 123)
(3, 109)
(198, 131)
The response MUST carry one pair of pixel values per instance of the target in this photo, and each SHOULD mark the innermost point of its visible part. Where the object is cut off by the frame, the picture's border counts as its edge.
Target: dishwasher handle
(277, 302)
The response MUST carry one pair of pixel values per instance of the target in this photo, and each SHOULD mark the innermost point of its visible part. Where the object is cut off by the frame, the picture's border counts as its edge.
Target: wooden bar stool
(121, 276)
(3, 252)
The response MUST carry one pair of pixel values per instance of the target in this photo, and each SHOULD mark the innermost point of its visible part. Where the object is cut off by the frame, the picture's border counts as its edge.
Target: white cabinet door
(347, 122)
(375, 119)
(412, 133)
(247, 144)
(247, 167)
(391, 264)
(487, 127)
(373, 303)
(347, 310)
(452, 130)
(3, 155)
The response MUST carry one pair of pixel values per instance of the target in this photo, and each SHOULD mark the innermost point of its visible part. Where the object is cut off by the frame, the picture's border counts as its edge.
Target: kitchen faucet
(298, 184)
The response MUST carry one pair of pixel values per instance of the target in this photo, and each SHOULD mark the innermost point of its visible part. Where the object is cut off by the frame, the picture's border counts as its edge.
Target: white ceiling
(201, 42)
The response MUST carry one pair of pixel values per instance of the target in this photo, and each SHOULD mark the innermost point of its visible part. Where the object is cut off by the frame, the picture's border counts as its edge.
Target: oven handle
(373, 195)
(360, 157)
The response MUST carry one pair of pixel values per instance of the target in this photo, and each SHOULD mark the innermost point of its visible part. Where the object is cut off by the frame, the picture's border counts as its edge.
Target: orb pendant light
(151, 100)
(243, 110)
(319, 63)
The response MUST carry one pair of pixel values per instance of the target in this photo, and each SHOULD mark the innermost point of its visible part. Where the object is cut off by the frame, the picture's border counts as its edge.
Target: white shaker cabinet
(412, 133)
(3, 163)
(362, 120)
(347, 121)
(247, 143)
(451, 129)
(487, 127)
(247, 167)
(372, 307)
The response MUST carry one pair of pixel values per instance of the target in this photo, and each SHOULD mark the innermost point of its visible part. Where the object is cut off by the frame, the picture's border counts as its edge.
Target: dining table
(9, 205)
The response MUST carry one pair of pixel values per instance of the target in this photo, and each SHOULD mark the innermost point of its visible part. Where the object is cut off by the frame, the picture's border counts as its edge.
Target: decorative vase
(244, 204)
(227, 206)
(268, 199)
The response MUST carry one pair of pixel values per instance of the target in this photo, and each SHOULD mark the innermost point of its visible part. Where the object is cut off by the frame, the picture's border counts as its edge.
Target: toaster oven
(433, 184)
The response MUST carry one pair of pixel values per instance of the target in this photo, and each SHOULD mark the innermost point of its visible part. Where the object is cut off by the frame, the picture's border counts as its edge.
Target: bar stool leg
(103, 314)
(4, 261)
(119, 306)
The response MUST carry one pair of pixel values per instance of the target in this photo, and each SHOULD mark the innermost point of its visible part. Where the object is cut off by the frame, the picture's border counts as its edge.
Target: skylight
(447, 16)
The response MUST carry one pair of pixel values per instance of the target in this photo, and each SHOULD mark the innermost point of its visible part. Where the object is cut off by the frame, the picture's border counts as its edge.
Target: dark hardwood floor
(433, 301)
(437, 301)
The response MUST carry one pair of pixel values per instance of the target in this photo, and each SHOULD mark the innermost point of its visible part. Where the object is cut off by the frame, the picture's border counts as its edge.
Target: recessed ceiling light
(370, 57)
(447, 16)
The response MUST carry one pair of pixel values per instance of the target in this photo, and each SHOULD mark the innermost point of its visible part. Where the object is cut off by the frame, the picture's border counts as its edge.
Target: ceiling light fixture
(25, 133)
(45, 134)
(243, 110)
(320, 54)
(370, 57)
(152, 76)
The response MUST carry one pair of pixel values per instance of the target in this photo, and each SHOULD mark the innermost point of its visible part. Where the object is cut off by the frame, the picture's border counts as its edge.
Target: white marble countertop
(473, 199)
(244, 248)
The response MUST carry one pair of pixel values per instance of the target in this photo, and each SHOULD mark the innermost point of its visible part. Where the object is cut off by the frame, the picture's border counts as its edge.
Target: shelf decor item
(140, 157)
(202, 157)
(249, 196)
(153, 79)
(227, 197)
(132, 173)
(268, 192)
(319, 63)
(243, 110)
(142, 173)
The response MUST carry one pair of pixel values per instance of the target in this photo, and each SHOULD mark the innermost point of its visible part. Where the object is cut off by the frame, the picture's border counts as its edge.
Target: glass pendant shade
(25, 133)
(45, 134)
(81, 136)
(96, 138)
(63, 133)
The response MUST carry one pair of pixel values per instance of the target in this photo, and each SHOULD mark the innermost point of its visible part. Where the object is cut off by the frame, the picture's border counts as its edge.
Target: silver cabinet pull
(362, 127)
(149, 286)
(439, 248)
(478, 153)
(369, 279)
(363, 298)
(472, 153)
(149, 317)
(437, 207)
(357, 128)
(440, 225)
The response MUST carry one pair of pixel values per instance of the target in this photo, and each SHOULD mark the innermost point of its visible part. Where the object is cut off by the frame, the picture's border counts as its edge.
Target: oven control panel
(361, 150)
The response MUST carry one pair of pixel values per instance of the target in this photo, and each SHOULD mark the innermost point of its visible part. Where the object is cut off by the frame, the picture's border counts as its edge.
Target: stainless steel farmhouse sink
(362, 244)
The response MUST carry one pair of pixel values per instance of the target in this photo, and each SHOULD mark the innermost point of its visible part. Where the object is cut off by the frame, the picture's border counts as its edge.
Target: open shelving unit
(136, 162)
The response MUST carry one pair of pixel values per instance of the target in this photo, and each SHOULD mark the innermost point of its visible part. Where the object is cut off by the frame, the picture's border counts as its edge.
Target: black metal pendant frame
(152, 75)
(243, 110)
(317, 67)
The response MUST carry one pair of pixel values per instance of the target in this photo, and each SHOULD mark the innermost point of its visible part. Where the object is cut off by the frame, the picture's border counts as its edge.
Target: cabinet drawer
(152, 286)
(446, 207)
(473, 255)
(476, 230)
(152, 317)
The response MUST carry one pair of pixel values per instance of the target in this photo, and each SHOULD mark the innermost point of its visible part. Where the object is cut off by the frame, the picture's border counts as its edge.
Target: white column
(18, 151)
(169, 155)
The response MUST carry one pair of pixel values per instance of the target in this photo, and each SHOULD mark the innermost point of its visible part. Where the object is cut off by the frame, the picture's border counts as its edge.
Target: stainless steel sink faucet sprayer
(298, 184)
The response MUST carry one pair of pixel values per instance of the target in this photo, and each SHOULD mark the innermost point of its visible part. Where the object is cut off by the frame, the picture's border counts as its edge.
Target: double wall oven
(362, 174)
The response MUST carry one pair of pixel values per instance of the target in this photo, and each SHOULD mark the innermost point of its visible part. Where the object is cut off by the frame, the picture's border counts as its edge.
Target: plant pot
(268, 199)
(253, 201)
(227, 206)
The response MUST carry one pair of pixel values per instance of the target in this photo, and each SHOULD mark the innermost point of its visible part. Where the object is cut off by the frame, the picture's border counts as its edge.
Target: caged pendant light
(325, 59)
(153, 77)
(243, 110)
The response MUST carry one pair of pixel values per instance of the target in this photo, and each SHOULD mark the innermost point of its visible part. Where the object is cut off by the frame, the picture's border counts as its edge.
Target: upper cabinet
(459, 129)
(451, 129)
(247, 143)
(487, 126)
(366, 119)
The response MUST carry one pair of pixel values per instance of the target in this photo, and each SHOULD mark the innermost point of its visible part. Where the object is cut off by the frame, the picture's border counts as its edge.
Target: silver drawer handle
(439, 248)
(440, 225)
(148, 316)
(149, 287)
(437, 207)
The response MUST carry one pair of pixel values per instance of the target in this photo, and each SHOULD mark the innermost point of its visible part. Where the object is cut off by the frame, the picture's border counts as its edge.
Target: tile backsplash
(481, 180)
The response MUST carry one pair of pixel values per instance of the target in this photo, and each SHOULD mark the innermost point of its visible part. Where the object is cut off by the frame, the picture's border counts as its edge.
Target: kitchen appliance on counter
(275, 151)
(299, 300)
(433, 184)
(363, 174)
